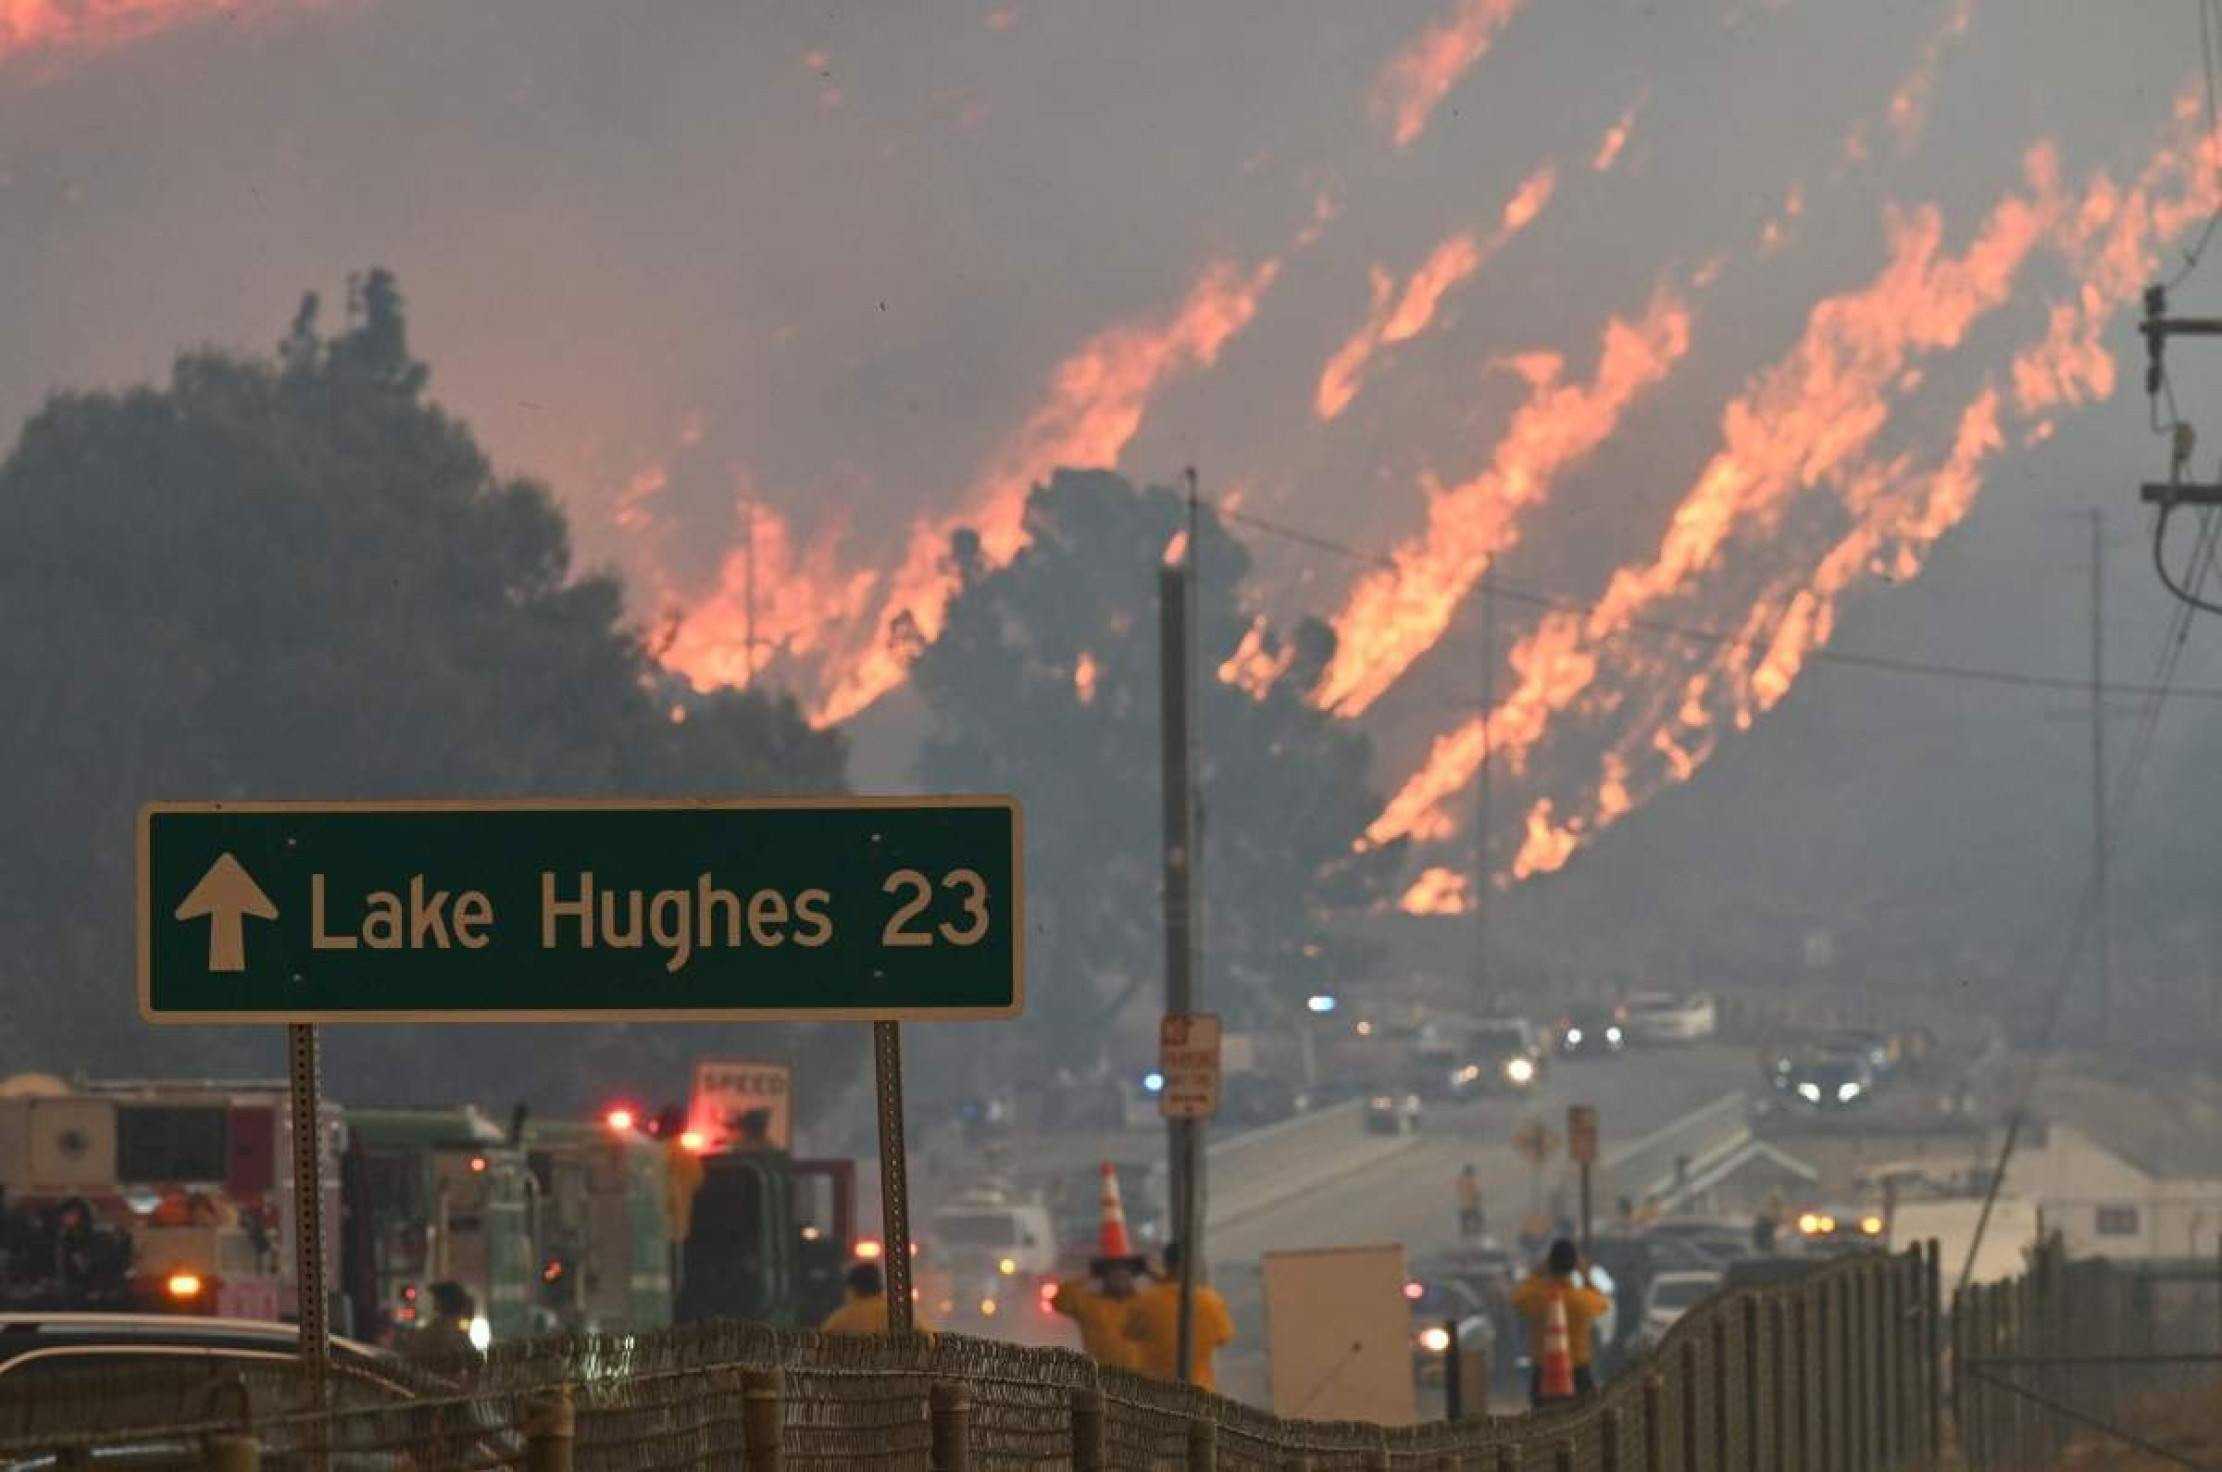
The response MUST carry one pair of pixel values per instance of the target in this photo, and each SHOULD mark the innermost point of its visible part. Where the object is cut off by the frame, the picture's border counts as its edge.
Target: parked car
(1671, 1295)
(1588, 1032)
(1394, 1114)
(1659, 1017)
(119, 1373)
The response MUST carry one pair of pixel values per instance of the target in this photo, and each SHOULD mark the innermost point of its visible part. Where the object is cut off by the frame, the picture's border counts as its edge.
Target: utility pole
(2102, 929)
(1175, 608)
(1482, 794)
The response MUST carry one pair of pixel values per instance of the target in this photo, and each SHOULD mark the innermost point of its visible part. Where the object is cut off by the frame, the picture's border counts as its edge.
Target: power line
(1884, 663)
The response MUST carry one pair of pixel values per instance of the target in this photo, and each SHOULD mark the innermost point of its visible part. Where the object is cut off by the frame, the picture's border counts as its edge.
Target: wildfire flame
(1438, 891)
(1084, 678)
(793, 600)
(1096, 400)
(1616, 139)
(1401, 317)
(1393, 616)
(1798, 423)
(1895, 510)
(1423, 71)
(52, 27)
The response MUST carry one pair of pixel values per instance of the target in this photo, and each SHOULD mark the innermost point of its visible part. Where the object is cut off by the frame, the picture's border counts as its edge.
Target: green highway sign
(806, 908)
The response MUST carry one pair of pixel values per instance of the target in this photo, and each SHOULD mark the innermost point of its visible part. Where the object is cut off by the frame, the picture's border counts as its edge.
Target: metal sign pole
(308, 1210)
(887, 1070)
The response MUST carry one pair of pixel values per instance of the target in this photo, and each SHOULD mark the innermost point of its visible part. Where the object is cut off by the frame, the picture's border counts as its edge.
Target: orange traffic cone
(1556, 1381)
(1111, 1240)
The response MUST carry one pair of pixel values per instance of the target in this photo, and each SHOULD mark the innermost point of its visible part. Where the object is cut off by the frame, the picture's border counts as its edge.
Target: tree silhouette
(300, 578)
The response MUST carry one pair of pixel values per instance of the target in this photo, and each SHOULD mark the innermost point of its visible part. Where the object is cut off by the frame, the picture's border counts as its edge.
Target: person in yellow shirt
(865, 1311)
(1098, 1304)
(1153, 1326)
(1561, 1278)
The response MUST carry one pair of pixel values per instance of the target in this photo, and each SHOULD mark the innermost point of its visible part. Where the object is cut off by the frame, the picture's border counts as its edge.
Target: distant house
(2119, 1174)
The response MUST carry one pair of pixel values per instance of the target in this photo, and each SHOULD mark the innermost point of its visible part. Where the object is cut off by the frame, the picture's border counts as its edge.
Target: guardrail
(1835, 1371)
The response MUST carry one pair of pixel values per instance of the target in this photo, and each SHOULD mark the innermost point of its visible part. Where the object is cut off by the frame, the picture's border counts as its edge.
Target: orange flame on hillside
(1399, 318)
(1084, 678)
(1898, 514)
(1438, 891)
(1797, 424)
(1393, 616)
(1095, 404)
(1424, 70)
(1616, 138)
(52, 27)
(792, 599)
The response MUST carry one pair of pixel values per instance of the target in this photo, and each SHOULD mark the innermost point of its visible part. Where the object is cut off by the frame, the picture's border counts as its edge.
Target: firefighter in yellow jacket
(1153, 1324)
(865, 1310)
(1561, 1278)
(1098, 1303)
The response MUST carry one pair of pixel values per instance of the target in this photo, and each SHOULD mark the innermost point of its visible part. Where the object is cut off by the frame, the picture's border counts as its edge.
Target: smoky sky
(828, 256)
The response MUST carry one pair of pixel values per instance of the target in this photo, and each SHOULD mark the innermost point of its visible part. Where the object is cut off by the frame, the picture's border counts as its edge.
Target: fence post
(1087, 1429)
(1654, 1404)
(1863, 1362)
(1843, 1392)
(1690, 1461)
(1890, 1394)
(1508, 1458)
(549, 1430)
(1799, 1431)
(1203, 1445)
(233, 1451)
(1562, 1457)
(950, 1406)
(1724, 1420)
(1753, 1400)
(1778, 1380)
(1608, 1446)
(763, 1419)
(1932, 1352)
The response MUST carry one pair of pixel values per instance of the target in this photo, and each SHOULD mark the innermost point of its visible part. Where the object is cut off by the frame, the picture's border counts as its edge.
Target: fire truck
(437, 1195)
(151, 1195)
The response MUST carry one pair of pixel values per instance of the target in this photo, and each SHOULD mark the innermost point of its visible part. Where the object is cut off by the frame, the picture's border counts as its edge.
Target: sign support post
(308, 1209)
(1581, 1143)
(887, 1080)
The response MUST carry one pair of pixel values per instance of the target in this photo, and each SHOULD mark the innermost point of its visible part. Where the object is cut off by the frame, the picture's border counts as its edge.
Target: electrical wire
(2160, 562)
(1884, 663)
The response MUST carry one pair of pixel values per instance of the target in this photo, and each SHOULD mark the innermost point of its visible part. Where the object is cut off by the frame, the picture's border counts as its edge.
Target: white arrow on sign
(226, 894)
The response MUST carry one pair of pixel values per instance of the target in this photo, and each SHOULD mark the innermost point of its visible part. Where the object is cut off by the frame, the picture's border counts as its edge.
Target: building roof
(2169, 1137)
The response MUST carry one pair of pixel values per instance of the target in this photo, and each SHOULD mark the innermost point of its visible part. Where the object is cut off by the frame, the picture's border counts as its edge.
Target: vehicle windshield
(1681, 1292)
(1499, 1037)
(977, 1229)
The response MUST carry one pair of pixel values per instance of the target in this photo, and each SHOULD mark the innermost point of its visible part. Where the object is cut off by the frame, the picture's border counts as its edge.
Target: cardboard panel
(1338, 1333)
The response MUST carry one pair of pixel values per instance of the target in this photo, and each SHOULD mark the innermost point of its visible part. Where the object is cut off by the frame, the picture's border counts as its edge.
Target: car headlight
(1435, 1339)
(481, 1333)
(1810, 1090)
(1520, 1070)
(1573, 1037)
(1808, 1223)
(1871, 1225)
(1383, 1101)
(1006, 1267)
(1612, 1034)
(1847, 1091)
